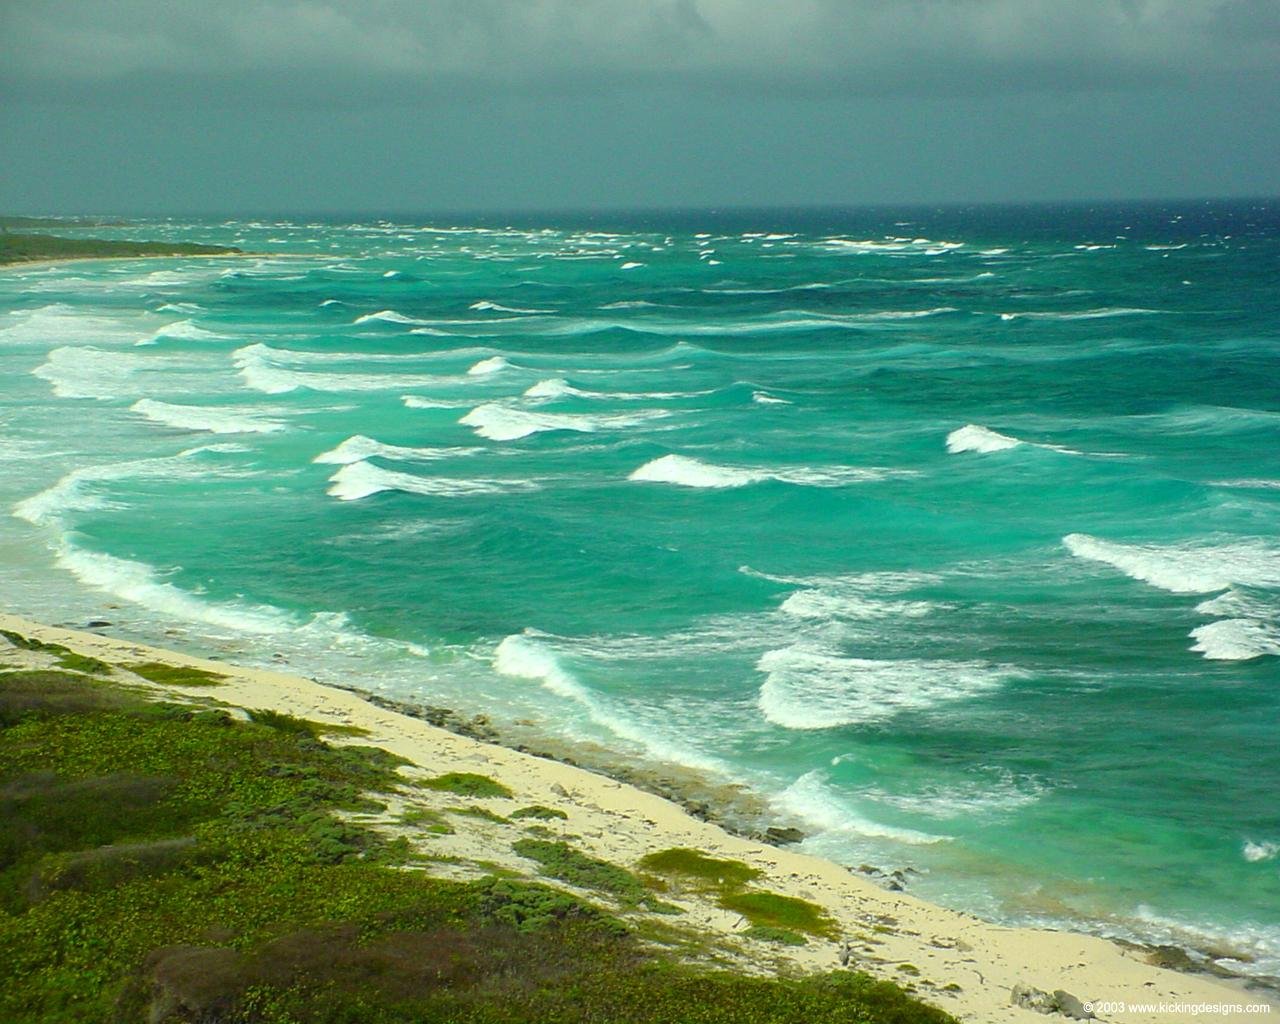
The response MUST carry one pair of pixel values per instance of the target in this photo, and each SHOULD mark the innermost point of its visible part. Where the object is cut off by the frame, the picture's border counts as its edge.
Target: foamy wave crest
(214, 419)
(521, 656)
(686, 472)
(139, 584)
(260, 368)
(181, 330)
(816, 803)
(556, 387)
(861, 582)
(1084, 314)
(975, 438)
(846, 604)
(485, 304)
(808, 686)
(764, 398)
(361, 479)
(419, 402)
(1185, 568)
(504, 423)
(357, 448)
(88, 372)
(1236, 640)
(494, 364)
(387, 316)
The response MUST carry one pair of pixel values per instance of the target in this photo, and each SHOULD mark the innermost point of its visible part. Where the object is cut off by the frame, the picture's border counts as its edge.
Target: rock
(1058, 1002)
(1069, 1006)
(96, 624)
(782, 836)
(1032, 999)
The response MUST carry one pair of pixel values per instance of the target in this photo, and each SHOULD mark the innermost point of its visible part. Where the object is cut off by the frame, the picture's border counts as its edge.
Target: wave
(358, 447)
(976, 438)
(764, 398)
(1084, 314)
(1236, 640)
(816, 803)
(1251, 483)
(485, 304)
(855, 246)
(505, 423)
(809, 686)
(185, 308)
(388, 316)
(840, 603)
(75, 372)
(686, 472)
(1189, 568)
(419, 402)
(214, 419)
(889, 582)
(358, 480)
(1255, 853)
(259, 367)
(521, 656)
(181, 330)
(494, 364)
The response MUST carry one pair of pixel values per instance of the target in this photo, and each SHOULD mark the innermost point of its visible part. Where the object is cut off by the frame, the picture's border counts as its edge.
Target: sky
(397, 106)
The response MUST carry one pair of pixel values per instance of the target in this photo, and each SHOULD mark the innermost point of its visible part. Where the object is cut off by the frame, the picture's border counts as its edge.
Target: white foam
(506, 423)
(485, 304)
(361, 479)
(846, 604)
(808, 686)
(88, 372)
(1249, 483)
(419, 402)
(556, 387)
(684, 471)
(521, 656)
(387, 316)
(1236, 640)
(181, 330)
(358, 447)
(215, 419)
(1255, 853)
(816, 803)
(1190, 568)
(494, 364)
(764, 398)
(630, 266)
(975, 438)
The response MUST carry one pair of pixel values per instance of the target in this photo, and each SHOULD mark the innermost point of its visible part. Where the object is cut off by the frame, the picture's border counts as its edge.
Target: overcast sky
(395, 106)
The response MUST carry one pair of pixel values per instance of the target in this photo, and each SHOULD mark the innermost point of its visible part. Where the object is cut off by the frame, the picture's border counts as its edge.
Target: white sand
(619, 823)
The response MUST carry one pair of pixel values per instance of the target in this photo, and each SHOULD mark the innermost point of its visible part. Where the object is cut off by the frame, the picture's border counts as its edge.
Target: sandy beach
(965, 965)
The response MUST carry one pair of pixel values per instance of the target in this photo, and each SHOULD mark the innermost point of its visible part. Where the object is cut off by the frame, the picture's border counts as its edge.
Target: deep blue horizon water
(952, 533)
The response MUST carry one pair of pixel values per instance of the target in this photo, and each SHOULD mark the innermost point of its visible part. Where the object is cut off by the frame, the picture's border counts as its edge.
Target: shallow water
(952, 532)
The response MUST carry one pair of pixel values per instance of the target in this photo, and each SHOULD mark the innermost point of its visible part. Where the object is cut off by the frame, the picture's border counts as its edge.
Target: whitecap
(386, 316)
(215, 419)
(764, 398)
(493, 364)
(485, 304)
(358, 480)
(1236, 640)
(88, 372)
(810, 686)
(976, 438)
(1256, 852)
(505, 423)
(358, 447)
(630, 265)
(181, 330)
(684, 471)
(1187, 568)
(813, 801)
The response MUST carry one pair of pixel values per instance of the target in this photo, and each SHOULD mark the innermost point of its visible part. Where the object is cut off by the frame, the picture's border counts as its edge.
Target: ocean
(952, 534)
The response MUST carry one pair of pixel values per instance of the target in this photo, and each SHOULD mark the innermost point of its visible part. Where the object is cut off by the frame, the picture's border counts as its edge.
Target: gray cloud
(835, 46)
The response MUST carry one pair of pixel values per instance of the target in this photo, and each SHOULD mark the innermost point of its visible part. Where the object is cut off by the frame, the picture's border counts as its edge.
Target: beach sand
(965, 965)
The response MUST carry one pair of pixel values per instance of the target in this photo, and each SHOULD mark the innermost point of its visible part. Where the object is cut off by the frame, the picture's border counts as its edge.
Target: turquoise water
(955, 534)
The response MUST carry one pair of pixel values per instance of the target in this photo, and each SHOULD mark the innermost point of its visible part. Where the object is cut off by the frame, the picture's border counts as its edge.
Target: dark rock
(782, 836)
(96, 624)
(1069, 1006)
(1032, 999)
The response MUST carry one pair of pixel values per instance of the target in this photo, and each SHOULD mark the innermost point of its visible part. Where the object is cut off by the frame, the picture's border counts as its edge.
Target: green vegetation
(23, 248)
(175, 675)
(163, 863)
(696, 869)
(562, 861)
(910, 969)
(779, 936)
(67, 658)
(476, 811)
(467, 784)
(427, 820)
(538, 811)
(771, 909)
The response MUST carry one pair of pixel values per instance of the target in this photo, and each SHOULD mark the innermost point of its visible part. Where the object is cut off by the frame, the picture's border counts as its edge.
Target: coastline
(58, 260)
(965, 965)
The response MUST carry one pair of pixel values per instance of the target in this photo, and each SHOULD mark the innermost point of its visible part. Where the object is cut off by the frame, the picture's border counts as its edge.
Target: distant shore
(964, 965)
(26, 248)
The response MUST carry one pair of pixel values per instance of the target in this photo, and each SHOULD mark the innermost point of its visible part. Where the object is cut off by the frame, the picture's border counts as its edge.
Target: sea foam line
(684, 471)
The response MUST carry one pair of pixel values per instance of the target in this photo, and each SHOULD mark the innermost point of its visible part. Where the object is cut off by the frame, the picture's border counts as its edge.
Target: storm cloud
(605, 102)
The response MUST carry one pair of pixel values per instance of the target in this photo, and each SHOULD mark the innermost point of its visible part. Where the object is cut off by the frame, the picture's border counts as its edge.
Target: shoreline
(44, 261)
(884, 930)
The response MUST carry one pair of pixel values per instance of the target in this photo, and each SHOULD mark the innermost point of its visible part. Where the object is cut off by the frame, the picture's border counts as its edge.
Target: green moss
(696, 868)
(775, 910)
(538, 811)
(467, 784)
(910, 969)
(175, 675)
(778, 936)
